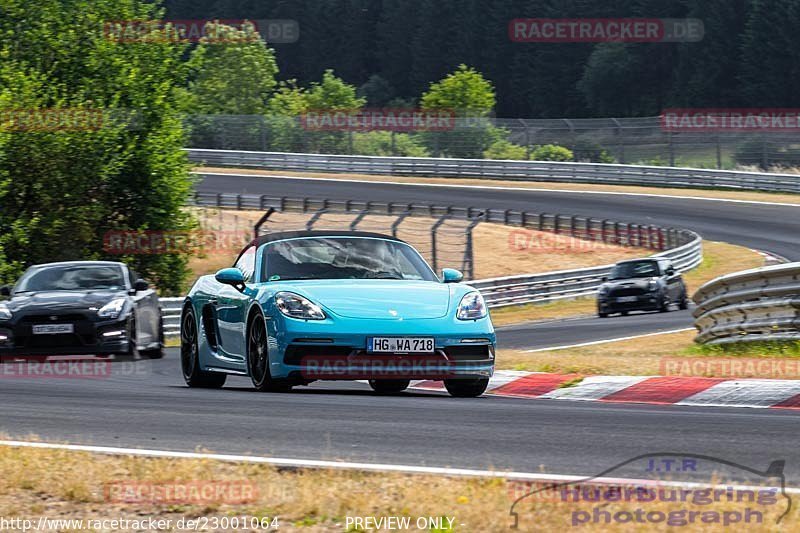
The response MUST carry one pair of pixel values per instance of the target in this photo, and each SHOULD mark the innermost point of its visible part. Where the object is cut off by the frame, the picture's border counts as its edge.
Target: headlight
(603, 290)
(5, 312)
(471, 307)
(652, 286)
(112, 309)
(295, 306)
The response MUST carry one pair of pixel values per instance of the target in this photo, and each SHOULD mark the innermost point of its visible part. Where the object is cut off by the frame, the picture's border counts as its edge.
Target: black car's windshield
(638, 269)
(344, 258)
(71, 278)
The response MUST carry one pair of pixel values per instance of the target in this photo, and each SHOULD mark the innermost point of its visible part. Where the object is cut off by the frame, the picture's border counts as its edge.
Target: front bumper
(644, 302)
(105, 337)
(308, 351)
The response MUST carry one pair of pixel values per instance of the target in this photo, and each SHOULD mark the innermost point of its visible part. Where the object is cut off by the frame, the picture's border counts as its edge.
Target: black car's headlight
(295, 306)
(5, 312)
(471, 307)
(112, 309)
(652, 286)
(603, 290)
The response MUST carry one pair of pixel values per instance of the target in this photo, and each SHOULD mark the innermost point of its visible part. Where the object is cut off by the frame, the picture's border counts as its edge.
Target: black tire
(156, 353)
(133, 352)
(684, 303)
(466, 388)
(602, 315)
(190, 365)
(664, 308)
(258, 358)
(624, 313)
(389, 386)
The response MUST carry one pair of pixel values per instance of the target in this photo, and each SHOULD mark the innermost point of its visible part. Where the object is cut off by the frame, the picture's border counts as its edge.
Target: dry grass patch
(65, 484)
(657, 191)
(498, 250)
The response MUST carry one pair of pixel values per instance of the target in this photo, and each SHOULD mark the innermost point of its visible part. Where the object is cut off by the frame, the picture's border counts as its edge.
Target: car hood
(639, 283)
(53, 301)
(377, 299)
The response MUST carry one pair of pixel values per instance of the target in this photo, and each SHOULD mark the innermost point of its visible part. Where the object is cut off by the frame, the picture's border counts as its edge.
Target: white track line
(499, 188)
(592, 343)
(370, 467)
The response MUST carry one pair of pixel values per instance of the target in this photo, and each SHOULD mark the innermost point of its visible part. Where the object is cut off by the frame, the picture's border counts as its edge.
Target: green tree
(62, 188)
(232, 72)
(471, 98)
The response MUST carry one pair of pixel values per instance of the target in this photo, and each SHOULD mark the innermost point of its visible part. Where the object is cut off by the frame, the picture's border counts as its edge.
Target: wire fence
(603, 140)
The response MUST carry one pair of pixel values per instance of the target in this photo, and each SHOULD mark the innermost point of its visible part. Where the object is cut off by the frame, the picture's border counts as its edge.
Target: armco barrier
(762, 304)
(648, 176)
(683, 247)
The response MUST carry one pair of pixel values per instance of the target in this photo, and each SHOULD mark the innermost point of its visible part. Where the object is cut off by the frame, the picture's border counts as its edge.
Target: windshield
(639, 269)
(344, 258)
(72, 278)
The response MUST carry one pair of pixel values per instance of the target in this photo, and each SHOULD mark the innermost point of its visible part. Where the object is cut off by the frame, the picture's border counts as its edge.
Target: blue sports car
(298, 307)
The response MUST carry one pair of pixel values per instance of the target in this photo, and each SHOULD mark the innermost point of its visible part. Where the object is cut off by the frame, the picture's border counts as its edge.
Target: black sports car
(641, 285)
(80, 308)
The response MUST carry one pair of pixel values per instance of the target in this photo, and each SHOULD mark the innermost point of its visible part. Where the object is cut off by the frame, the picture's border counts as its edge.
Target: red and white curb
(696, 391)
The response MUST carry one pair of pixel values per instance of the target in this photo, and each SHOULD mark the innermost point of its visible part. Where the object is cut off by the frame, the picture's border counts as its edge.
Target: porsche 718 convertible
(298, 307)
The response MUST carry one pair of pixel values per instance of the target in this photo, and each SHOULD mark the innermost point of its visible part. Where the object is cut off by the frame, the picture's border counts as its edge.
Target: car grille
(69, 340)
(477, 352)
(627, 291)
(295, 353)
(47, 319)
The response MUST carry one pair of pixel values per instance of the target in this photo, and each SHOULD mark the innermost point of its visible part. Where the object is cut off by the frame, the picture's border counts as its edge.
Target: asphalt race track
(772, 228)
(146, 405)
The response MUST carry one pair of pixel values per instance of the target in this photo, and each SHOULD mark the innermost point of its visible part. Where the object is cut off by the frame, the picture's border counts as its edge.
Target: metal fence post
(434, 229)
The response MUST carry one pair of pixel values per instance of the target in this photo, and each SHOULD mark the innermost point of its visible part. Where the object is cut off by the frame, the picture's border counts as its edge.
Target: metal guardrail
(761, 304)
(649, 176)
(516, 290)
(683, 247)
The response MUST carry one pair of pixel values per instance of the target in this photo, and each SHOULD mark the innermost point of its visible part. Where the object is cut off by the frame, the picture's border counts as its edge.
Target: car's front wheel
(190, 362)
(466, 388)
(258, 358)
(389, 386)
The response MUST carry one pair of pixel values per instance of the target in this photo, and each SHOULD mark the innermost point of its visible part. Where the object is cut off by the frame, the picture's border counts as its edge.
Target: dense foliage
(63, 187)
(748, 57)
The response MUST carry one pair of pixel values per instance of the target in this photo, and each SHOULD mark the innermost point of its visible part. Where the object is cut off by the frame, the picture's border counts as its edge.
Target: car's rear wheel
(684, 303)
(190, 361)
(389, 386)
(466, 388)
(258, 359)
(664, 308)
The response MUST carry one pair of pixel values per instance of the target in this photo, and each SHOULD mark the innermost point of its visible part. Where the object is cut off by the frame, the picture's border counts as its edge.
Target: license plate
(400, 344)
(627, 299)
(52, 329)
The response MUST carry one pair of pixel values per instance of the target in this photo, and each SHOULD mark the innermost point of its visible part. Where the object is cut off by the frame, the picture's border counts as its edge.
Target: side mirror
(451, 275)
(5, 290)
(230, 276)
(140, 285)
(670, 271)
(604, 279)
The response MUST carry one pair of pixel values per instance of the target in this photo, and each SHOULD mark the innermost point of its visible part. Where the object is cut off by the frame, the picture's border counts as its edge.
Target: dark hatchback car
(80, 308)
(641, 285)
